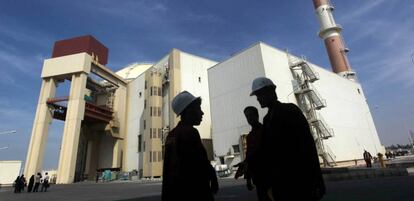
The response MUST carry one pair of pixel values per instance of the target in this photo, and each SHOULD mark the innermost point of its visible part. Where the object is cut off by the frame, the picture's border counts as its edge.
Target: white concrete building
(346, 111)
(9, 170)
(151, 89)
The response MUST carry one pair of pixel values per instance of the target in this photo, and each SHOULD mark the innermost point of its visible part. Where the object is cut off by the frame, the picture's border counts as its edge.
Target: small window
(159, 156)
(159, 111)
(150, 111)
(140, 94)
(145, 85)
(150, 133)
(139, 143)
(145, 103)
(159, 133)
(145, 124)
(150, 153)
(199, 79)
(159, 91)
(236, 148)
(359, 91)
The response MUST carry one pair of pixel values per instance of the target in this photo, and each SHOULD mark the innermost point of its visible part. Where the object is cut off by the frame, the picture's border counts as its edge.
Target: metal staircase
(310, 101)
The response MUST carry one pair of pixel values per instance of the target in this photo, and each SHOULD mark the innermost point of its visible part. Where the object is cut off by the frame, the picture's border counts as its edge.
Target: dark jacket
(289, 154)
(187, 172)
(253, 142)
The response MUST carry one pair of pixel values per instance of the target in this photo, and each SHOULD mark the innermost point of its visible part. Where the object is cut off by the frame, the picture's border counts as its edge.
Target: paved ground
(381, 189)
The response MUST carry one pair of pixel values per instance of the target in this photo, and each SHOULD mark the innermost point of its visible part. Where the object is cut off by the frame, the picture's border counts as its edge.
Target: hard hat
(259, 83)
(181, 101)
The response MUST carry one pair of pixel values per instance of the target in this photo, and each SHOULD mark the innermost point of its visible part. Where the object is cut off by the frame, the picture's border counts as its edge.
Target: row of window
(155, 156)
(155, 91)
(154, 133)
(155, 111)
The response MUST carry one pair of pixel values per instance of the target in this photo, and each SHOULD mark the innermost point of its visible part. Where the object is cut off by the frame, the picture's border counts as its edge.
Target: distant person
(381, 160)
(17, 185)
(187, 172)
(37, 182)
(23, 182)
(45, 183)
(249, 165)
(367, 157)
(293, 176)
(31, 182)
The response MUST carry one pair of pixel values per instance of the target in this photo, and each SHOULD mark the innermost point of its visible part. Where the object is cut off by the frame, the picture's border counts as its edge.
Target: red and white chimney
(330, 32)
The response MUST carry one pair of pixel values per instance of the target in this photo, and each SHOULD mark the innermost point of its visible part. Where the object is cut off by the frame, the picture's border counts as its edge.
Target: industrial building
(119, 120)
(151, 89)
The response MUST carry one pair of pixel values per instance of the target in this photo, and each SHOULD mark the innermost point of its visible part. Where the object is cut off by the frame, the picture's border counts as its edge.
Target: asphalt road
(380, 189)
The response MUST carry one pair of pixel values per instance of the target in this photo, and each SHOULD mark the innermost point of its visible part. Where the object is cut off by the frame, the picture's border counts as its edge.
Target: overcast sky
(378, 32)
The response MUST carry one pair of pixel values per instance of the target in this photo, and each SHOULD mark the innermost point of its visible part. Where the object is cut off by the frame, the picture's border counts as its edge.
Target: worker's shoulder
(289, 106)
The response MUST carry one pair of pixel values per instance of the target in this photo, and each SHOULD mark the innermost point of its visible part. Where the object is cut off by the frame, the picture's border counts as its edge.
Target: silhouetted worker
(187, 172)
(253, 142)
(45, 183)
(31, 182)
(293, 176)
(367, 158)
(17, 185)
(37, 182)
(23, 182)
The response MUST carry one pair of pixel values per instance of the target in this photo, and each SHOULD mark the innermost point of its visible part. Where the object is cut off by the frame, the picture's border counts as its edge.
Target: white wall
(347, 112)
(9, 170)
(193, 68)
(230, 83)
(134, 119)
(230, 87)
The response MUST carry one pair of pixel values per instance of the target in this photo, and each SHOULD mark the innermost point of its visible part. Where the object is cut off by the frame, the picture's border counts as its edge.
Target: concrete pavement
(377, 189)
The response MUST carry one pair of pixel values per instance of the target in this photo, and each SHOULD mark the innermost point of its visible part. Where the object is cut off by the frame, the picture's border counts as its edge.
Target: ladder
(310, 101)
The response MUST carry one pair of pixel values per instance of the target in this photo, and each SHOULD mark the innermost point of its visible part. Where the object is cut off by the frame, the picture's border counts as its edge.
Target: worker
(293, 176)
(249, 165)
(367, 157)
(381, 160)
(187, 172)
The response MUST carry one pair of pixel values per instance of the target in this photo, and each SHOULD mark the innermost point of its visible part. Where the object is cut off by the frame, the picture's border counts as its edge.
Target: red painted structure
(93, 112)
(80, 44)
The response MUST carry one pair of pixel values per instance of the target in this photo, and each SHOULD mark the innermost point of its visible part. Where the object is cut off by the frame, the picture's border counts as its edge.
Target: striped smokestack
(330, 32)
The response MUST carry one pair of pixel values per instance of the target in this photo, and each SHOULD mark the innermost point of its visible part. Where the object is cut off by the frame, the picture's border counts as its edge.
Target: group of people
(34, 182)
(188, 174)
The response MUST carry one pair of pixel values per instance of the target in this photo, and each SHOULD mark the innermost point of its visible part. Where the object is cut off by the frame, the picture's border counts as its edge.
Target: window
(140, 94)
(150, 133)
(145, 103)
(236, 148)
(150, 111)
(139, 143)
(150, 91)
(150, 156)
(159, 111)
(154, 156)
(359, 91)
(159, 133)
(154, 132)
(143, 147)
(159, 156)
(145, 85)
(145, 124)
(199, 79)
(159, 91)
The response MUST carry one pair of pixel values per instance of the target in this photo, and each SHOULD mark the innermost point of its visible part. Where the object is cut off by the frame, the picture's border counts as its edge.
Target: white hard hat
(181, 101)
(259, 83)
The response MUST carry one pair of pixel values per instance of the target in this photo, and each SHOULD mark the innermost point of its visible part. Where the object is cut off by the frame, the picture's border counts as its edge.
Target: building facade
(336, 107)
